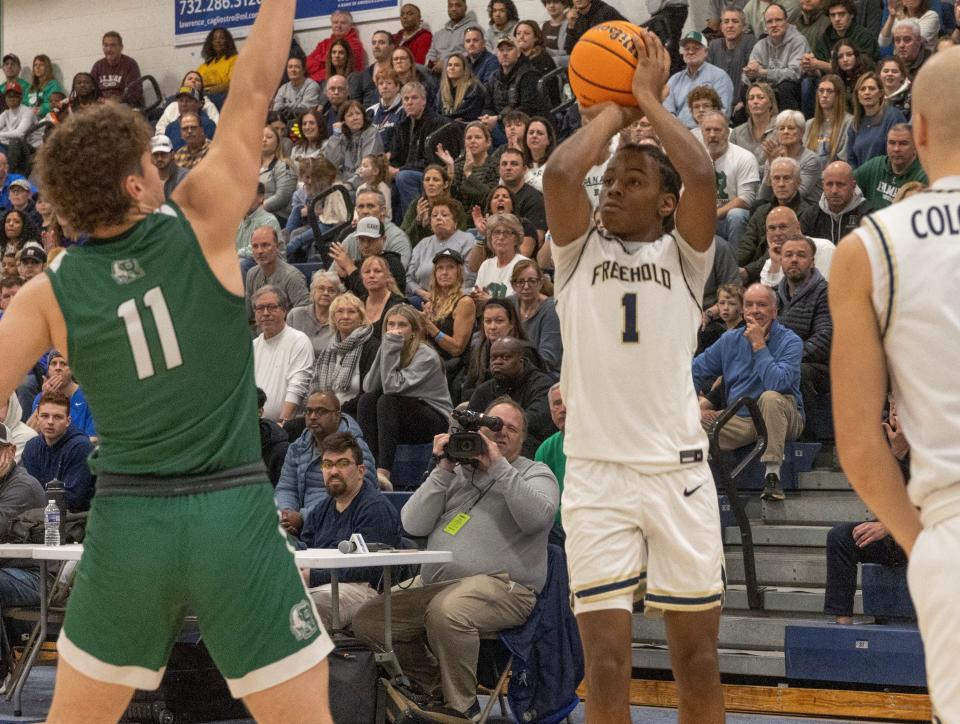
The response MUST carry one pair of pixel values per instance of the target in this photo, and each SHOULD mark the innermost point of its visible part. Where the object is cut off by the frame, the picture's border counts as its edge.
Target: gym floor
(39, 690)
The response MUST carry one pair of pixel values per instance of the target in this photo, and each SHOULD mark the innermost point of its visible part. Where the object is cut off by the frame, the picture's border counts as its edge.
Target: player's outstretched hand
(653, 67)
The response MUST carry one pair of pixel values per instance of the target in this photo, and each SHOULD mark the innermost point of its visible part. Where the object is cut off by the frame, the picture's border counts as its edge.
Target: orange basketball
(603, 62)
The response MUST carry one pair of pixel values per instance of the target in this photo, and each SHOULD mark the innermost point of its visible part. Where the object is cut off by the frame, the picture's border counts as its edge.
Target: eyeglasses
(341, 464)
(501, 232)
(319, 411)
(264, 308)
(526, 282)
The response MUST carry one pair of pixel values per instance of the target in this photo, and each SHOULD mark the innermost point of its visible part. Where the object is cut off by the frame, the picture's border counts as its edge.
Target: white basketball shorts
(633, 535)
(935, 592)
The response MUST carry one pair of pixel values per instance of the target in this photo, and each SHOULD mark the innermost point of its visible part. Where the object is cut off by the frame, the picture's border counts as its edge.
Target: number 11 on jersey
(631, 334)
(130, 315)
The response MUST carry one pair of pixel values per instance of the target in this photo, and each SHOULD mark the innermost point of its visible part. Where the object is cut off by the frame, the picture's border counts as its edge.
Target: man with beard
(351, 507)
(515, 377)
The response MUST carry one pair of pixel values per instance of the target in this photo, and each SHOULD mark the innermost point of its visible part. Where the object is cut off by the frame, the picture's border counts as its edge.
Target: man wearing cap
(114, 72)
(514, 86)
(196, 142)
(371, 203)
(170, 173)
(6, 179)
(15, 123)
(776, 58)
(370, 236)
(11, 74)
(20, 197)
(189, 101)
(693, 50)
(31, 260)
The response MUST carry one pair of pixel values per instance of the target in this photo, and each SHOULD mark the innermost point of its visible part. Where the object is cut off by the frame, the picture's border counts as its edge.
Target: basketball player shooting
(893, 302)
(639, 503)
(151, 315)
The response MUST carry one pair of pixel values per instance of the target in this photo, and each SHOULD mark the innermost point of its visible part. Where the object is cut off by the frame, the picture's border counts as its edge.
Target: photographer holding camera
(494, 513)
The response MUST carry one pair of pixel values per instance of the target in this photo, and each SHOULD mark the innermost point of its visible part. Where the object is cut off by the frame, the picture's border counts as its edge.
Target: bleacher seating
(874, 655)
(798, 457)
(885, 592)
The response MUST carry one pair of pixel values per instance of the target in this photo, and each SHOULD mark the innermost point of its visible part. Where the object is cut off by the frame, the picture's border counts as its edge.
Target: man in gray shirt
(273, 270)
(495, 517)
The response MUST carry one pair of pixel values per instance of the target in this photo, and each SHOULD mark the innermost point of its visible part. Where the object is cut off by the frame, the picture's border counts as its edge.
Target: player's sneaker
(771, 488)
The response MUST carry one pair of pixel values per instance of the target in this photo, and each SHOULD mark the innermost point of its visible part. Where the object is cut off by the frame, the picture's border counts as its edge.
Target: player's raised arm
(217, 193)
(696, 214)
(858, 375)
(567, 204)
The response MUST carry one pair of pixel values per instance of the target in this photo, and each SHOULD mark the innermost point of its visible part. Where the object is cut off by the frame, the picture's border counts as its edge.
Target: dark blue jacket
(65, 460)
(370, 514)
(547, 655)
(484, 66)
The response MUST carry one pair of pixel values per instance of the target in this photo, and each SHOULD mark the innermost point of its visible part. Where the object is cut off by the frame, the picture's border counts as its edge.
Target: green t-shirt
(550, 453)
(162, 350)
(880, 184)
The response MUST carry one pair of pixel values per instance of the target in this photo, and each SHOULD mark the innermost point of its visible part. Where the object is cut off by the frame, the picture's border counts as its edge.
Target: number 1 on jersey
(130, 315)
(630, 332)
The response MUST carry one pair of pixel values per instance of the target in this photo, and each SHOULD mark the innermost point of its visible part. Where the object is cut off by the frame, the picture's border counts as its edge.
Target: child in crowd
(316, 176)
(373, 170)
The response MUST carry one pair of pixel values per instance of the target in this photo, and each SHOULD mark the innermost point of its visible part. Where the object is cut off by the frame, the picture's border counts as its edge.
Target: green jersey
(162, 350)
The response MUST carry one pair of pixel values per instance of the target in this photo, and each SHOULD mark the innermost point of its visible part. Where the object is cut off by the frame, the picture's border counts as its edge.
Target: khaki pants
(351, 597)
(437, 628)
(783, 421)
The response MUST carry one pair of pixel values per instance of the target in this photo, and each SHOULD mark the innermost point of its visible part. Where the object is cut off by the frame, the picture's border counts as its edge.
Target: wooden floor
(871, 705)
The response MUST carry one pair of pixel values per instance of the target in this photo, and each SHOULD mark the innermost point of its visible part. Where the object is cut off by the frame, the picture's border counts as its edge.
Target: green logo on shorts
(303, 624)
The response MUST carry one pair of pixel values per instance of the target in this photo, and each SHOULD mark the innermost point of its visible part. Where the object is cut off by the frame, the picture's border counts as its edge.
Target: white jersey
(629, 322)
(914, 250)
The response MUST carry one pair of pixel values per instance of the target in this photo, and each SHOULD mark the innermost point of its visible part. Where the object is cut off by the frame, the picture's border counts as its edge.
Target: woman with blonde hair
(826, 133)
(461, 97)
(381, 289)
(342, 366)
(504, 234)
(761, 121)
(448, 318)
(277, 175)
(407, 399)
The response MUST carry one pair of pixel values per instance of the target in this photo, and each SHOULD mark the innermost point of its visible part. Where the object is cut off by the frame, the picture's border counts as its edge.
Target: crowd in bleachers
(396, 254)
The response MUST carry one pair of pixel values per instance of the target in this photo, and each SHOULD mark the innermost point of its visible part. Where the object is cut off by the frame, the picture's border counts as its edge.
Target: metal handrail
(730, 484)
(321, 240)
(561, 73)
(452, 131)
(145, 80)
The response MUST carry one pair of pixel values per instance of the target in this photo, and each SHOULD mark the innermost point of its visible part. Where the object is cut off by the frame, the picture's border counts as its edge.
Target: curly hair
(83, 164)
(508, 5)
(704, 93)
(29, 231)
(208, 53)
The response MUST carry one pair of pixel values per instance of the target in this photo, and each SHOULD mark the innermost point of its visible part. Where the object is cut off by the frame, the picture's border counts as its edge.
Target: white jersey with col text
(914, 251)
(629, 315)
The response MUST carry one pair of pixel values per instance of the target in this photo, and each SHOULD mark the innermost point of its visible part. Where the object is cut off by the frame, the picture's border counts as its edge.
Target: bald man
(841, 205)
(782, 224)
(892, 302)
(762, 362)
(513, 375)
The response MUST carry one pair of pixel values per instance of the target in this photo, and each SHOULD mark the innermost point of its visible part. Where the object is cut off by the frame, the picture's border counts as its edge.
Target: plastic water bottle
(51, 524)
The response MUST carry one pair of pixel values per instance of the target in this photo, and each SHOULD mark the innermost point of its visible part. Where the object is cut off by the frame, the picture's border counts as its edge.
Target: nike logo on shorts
(688, 493)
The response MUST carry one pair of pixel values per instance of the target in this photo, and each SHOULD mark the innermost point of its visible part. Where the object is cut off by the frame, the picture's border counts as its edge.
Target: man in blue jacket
(762, 362)
(351, 506)
(301, 486)
(60, 451)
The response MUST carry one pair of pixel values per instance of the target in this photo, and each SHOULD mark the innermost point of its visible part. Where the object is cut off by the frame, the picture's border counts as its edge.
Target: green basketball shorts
(221, 555)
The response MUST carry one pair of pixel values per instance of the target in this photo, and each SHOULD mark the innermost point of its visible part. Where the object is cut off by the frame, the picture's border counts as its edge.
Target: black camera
(466, 444)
